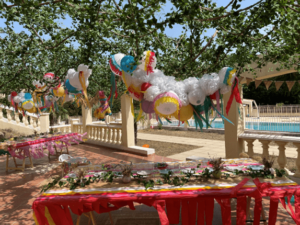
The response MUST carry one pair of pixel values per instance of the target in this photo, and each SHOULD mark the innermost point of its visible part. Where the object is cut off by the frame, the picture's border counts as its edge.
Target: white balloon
(73, 76)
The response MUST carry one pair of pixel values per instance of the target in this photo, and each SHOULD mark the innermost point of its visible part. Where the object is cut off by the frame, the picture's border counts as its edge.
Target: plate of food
(233, 168)
(143, 173)
(256, 167)
(161, 166)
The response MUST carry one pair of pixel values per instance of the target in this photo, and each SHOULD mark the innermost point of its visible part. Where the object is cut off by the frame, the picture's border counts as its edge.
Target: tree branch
(208, 43)
(58, 44)
(228, 14)
(45, 3)
(117, 6)
(293, 9)
(37, 34)
(125, 36)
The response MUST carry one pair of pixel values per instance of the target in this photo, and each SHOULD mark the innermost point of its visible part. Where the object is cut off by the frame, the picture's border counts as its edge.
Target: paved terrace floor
(18, 190)
(206, 147)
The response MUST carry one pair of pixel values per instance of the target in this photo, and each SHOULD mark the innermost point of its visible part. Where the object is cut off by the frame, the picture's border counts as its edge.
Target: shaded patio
(18, 190)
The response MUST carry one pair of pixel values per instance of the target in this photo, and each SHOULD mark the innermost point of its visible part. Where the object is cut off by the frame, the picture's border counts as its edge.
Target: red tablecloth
(187, 200)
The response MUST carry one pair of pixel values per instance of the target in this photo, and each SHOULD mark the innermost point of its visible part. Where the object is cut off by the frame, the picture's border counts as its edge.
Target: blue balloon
(27, 96)
(128, 64)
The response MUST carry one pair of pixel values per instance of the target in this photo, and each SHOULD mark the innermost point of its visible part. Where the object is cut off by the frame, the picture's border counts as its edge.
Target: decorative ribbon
(84, 91)
(113, 89)
(234, 93)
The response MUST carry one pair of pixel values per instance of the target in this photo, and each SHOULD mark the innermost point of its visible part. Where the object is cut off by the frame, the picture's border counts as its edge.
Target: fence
(23, 124)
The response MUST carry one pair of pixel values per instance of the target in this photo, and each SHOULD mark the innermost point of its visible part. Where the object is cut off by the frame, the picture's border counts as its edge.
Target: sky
(176, 31)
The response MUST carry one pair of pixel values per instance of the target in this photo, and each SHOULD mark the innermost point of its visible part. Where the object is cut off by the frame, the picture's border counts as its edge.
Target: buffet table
(104, 197)
(37, 148)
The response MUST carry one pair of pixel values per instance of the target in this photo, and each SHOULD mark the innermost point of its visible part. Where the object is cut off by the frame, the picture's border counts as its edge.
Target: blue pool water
(264, 126)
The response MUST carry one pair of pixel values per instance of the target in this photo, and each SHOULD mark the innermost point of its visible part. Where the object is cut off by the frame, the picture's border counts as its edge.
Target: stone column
(44, 122)
(127, 122)
(234, 146)
(86, 117)
(250, 146)
(281, 157)
(265, 146)
(297, 174)
(72, 122)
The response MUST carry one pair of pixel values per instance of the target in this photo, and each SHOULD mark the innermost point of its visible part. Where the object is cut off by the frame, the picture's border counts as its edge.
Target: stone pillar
(281, 157)
(185, 126)
(297, 174)
(127, 122)
(234, 146)
(44, 122)
(119, 115)
(72, 122)
(250, 146)
(86, 117)
(265, 146)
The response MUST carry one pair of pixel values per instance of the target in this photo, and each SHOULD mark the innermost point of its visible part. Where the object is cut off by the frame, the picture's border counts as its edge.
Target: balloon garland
(166, 97)
(50, 91)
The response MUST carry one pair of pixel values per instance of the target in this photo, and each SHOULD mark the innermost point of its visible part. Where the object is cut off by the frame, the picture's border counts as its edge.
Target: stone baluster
(31, 121)
(118, 136)
(25, 120)
(120, 133)
(105, 134)
(96, 129)
(100, 134)
(92, 132)
(297, 173)
(8, 115)
(17, 118)
(281, 157)
(1, 114)
(109, 135)
(250, 146)
(113, 136)
(265, 146)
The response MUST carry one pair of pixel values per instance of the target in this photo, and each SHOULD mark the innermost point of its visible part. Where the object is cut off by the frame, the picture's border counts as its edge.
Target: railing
(111, 134)
(281, 141)
(62, 128)
(30, 120)
(78, 128)
(274, 118)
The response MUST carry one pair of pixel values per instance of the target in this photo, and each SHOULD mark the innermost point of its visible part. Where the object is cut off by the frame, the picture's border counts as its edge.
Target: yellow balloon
(32, 110)
(59, 92)
(185, 113)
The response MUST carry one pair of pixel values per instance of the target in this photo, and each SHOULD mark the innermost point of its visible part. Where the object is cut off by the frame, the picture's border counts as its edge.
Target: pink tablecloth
(36, 148)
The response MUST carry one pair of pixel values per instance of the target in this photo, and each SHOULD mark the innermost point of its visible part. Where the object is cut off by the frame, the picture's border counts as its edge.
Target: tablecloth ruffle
(194, 205)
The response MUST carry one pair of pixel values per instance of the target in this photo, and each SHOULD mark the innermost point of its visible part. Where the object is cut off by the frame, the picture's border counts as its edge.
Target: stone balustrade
(65, 128)
(28, 123)
(110, 134)
(280, 140)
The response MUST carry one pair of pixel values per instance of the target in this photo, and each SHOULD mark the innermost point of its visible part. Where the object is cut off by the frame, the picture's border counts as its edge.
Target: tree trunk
(135, 133)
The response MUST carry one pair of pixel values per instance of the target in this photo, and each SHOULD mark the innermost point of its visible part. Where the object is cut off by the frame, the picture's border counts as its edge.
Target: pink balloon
(147, 107)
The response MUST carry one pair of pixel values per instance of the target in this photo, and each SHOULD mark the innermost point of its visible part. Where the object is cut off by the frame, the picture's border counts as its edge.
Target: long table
(36, 148)
(192, 200)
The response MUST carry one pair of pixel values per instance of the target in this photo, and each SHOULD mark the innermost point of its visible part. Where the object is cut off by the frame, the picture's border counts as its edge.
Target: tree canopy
(100, 28)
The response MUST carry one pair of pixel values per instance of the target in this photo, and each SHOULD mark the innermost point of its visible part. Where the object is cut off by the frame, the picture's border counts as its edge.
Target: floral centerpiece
(217, 165)
(126, 171)
(161, 166)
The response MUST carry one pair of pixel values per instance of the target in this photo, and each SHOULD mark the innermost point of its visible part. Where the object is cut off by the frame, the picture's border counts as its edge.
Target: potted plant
(161, 166)
(217, 165)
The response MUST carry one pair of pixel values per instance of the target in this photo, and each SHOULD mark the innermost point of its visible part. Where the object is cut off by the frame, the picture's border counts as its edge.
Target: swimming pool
(266, 126)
